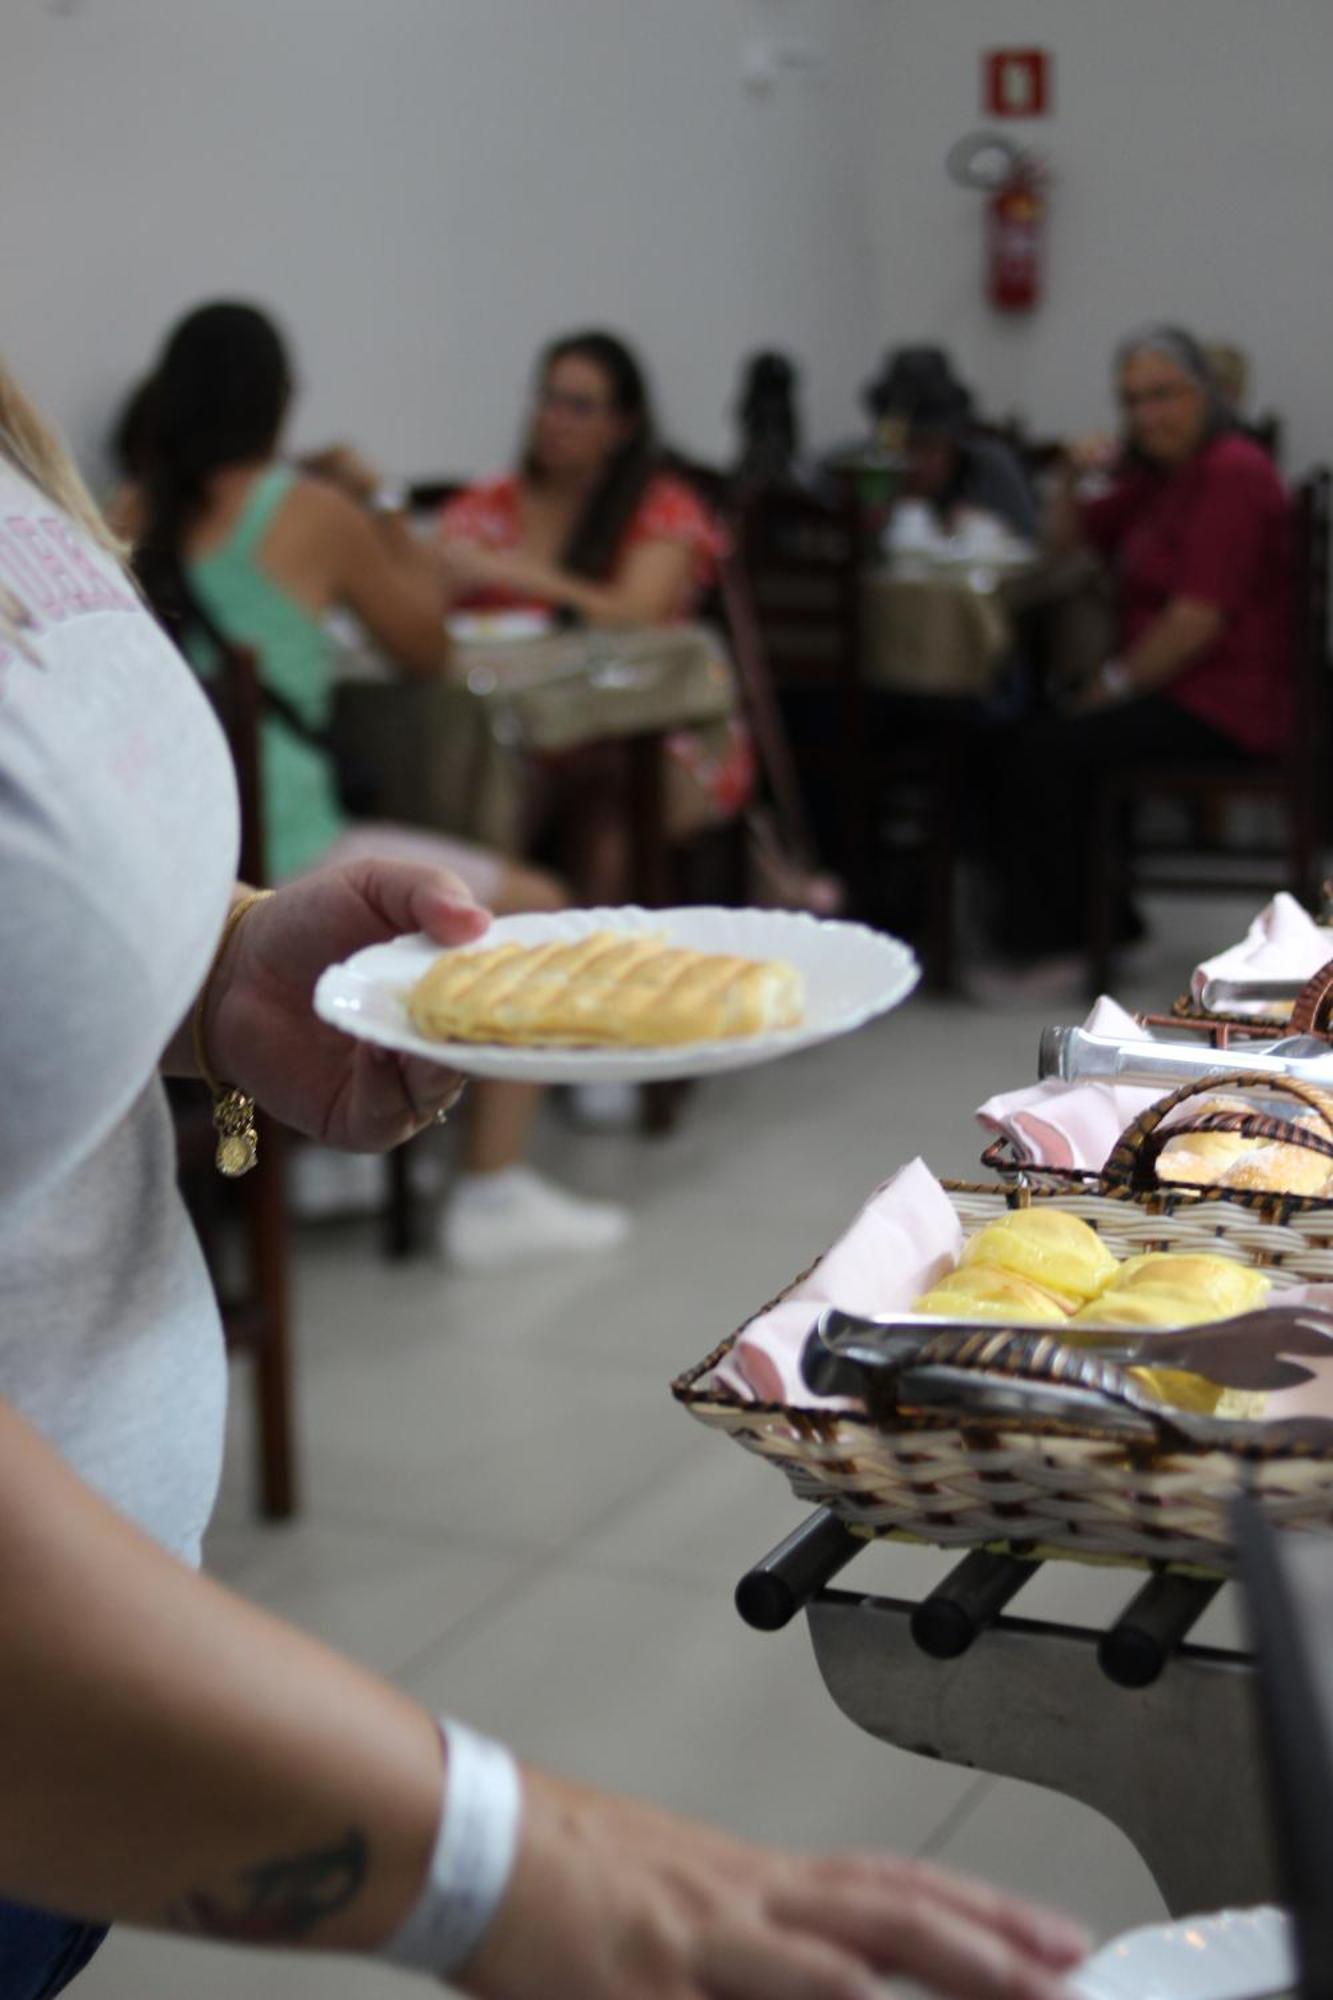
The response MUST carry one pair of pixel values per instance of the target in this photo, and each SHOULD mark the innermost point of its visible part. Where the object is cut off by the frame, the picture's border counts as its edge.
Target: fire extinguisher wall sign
(1013, 182)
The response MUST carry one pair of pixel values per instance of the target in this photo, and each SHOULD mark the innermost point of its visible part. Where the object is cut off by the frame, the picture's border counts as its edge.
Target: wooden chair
(1269, 432)
(800, 620)
(1294, 787)
(248, 1217)
(794, 607)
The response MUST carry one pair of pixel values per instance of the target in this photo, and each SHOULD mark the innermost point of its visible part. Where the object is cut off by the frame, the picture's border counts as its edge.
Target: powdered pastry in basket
(1280, 1169)
(604, 990)
(1201, 1158)
(1237, 1160)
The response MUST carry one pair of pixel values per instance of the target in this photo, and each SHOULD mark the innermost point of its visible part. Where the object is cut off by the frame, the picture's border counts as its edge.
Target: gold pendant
(238, 1141)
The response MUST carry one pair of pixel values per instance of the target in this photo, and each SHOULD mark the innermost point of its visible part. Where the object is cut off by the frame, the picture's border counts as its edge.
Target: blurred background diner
(593, 524)
(1190, 519)
(234, 548)
(601, 447)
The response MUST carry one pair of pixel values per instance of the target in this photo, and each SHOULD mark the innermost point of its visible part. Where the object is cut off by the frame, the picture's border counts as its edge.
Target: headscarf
(1184, 352)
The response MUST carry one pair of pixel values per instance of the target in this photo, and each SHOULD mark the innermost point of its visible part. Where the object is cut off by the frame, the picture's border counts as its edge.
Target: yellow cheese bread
(1218, 1282)
(985, 1291)
(1050, 1248)
(607, 989)
(1162, 1289)
(1146, 1306)
(1182, 1391)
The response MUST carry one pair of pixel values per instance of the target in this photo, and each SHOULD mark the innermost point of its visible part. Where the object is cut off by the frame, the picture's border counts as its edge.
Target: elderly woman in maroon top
(1195, 530)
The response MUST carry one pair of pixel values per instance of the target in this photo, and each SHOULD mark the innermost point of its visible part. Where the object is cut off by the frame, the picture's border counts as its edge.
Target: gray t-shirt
(118, 841)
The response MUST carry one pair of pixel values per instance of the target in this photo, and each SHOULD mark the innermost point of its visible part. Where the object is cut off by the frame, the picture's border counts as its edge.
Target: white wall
(423, 190)
(1192, 144)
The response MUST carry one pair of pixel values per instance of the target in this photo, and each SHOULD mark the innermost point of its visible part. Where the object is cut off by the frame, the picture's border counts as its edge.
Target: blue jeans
(40, 1952)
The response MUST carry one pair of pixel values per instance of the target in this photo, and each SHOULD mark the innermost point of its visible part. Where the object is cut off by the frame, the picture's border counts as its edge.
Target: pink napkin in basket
(904, 1238)
(1283, 942)
(1056, 1124)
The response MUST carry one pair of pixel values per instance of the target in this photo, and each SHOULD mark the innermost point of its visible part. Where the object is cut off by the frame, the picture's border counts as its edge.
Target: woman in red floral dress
(593, 524)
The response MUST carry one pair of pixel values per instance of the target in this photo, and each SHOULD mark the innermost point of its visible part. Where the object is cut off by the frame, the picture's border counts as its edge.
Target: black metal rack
(1154, 1732)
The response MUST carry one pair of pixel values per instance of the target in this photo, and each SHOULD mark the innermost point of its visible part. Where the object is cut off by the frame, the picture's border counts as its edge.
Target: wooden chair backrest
(802, 563)
(1267, 432)
(427, 496)
(1310, 635)
(762, 711)
(234, 690)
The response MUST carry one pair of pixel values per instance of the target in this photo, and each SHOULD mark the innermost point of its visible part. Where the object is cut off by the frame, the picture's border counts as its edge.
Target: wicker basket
(1008, 1481)
(1132, 1164)
(1312, 1014)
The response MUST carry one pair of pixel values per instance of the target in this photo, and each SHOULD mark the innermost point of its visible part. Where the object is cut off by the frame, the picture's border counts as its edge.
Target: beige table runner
(449, 753)
(932, 636)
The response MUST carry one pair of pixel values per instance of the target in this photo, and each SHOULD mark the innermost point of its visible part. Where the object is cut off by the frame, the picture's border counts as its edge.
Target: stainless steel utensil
(1248, 1351)
(1034, 1376)
(1074, 1054)
(1220, 995)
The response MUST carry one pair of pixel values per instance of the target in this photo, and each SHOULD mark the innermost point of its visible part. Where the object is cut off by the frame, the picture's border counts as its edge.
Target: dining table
(938, 629)
(454, 752)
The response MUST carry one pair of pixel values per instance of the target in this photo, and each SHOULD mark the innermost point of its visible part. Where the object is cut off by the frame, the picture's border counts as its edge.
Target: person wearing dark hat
(949, 464)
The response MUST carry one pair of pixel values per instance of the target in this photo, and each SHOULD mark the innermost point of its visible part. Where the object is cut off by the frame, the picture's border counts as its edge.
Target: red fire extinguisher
(1015, 215)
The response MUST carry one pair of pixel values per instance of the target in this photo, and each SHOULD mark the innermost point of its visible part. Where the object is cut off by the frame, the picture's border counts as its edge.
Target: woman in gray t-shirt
(171, 1756)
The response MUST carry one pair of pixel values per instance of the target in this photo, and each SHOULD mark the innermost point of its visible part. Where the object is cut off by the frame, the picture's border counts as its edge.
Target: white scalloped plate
(498, 628)
(1233, 1955)
(851, 975)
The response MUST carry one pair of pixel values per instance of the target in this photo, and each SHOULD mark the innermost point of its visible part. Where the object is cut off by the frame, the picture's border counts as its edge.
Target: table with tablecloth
(935, 634)
(946, 631)
(452, 752)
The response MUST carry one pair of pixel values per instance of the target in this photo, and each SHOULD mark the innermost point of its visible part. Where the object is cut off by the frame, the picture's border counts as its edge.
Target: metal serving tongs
(1074, 1054)
(907, 1364)
(1220, 995)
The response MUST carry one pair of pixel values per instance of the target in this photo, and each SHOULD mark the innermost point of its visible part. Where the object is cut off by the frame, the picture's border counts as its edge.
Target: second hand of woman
(266, 1791)
(262, 1035)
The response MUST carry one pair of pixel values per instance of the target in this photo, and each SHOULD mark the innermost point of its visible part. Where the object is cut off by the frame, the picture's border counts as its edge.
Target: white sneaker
(322, 1183)
(494, 1221)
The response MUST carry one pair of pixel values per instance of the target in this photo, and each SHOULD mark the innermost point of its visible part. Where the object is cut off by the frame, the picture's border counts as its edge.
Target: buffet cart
(1019, 1451)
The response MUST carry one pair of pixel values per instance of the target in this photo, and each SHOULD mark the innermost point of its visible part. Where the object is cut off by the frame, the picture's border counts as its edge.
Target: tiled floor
(505, 1511)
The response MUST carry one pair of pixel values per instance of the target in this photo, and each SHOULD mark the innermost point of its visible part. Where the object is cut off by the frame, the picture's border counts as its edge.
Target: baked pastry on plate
(608, 989)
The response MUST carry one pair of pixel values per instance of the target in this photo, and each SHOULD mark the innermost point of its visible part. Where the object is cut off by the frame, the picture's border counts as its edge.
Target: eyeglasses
(1150, 399)
(571, 403)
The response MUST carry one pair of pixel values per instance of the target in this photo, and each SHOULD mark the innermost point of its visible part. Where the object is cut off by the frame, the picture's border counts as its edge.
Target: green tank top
(302, 815)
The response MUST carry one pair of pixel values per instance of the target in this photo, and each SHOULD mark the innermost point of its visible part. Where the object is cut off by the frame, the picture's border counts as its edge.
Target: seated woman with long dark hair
(594, 523)
(230, 540)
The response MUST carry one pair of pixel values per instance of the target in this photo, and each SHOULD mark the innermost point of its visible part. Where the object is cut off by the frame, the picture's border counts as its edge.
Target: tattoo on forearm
(279, 1901)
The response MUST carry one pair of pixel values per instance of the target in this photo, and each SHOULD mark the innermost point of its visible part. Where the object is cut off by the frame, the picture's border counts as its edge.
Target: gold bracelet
(233, 1110)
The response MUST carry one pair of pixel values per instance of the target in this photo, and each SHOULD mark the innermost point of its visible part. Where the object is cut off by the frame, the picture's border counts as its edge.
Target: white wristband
(1115, 680)
(388, 500)
(474, 1855)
